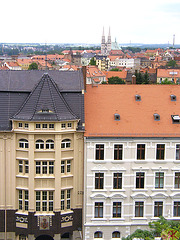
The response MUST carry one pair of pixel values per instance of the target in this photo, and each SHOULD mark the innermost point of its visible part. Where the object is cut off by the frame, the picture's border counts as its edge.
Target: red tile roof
(136, 117)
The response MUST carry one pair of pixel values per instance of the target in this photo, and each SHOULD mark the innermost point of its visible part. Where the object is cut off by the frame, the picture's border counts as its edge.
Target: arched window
(49, 144)
(39, 144)
(116, 234)
(66, 143)
(23, 143)
(98, 234)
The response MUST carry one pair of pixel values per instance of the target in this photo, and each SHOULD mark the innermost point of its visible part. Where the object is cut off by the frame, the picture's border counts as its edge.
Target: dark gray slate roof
(45, 102)
(26, 95)
(26, 80)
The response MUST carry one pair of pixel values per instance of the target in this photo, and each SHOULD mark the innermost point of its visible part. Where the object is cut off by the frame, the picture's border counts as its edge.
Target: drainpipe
(5, 213)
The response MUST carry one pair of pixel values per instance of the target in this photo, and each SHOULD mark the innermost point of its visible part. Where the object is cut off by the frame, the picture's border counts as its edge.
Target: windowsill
(117, 190)
(117, 161)
(160, 161)
(44, 150)
(22, 176)
(44, 176)
(66, 212)
(99, 190)
(44, 214)
(176, 161)
(99, 219)
(21, 212)
(117, 219)
(100, 161)
(23, 149)
(66, 149)
(159, 190)
(66, 175)
(175, 190)
(140, 161)
(139, 218)
(139, 190)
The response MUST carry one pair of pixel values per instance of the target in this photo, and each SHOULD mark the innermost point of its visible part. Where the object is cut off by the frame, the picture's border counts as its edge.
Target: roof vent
(173, 97)
(156, 117)
(116, 117)
(175, 118)
(138, 97)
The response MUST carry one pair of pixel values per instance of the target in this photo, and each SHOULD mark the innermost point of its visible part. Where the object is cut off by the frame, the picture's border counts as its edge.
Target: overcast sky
(82, 21)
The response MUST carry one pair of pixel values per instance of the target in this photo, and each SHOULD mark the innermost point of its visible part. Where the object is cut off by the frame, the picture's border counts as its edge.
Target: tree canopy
(92, 62)
(115, 80)
(142, 78)
(33, 66)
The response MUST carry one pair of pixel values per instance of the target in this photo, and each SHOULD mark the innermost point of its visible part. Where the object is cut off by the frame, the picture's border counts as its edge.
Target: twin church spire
(106, 45)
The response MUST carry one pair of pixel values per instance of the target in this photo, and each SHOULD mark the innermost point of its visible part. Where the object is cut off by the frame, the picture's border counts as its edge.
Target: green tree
(166, 81)
(92, 62)
(115, 80)
(116, 70)
(172, 63)
(142, 78)
(33, 66)
(141, 234)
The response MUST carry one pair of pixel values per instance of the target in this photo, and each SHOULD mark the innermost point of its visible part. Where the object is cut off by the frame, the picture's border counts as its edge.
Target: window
(26, 125)
(66, 143)
(158, 209)
(177, 151)
(118, 151)
(98, 210)
(116, 117)
(44, 125)
(51, 126)
(38, 125)
(39, 144)
(99, 151)
(63, 125)
(139, 209)
(23, 143)
(173, 97)
(65, 199)
(69, 125)
(22, 237)
(23, 200)
(139, 180)
(44, 201)
(176, 209)
(49, 144)
(99, 180)
(98, 234)
(66, 166)
(23, 166)
(20, 125)
(137, 97)
(116, 209)
(116, 234)
(159, 180)
(44, 167)
(117, 181)
(140, 151)
(160, 149)
(177, 179)
(156, 117)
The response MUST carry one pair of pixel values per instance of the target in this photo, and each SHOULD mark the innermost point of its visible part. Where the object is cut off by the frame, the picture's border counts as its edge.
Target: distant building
(106, 45)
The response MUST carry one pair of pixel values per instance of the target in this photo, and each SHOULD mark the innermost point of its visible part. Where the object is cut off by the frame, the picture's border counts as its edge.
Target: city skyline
(82, 22)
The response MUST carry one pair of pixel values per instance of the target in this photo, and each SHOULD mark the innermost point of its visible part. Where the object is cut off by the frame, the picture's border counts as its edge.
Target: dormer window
(173, 97)
(116, 117)
(156, 117)
(175, 118)
(137, 97)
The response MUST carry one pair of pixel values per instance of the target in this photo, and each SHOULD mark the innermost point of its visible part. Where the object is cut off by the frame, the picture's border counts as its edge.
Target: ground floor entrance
(44, 237)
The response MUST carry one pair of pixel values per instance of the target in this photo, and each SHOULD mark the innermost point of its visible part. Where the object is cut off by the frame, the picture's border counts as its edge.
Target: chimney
(133, 79)
(84, 76)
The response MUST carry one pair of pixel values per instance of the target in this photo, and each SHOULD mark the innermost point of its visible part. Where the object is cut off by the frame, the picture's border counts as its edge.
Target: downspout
(5, 213)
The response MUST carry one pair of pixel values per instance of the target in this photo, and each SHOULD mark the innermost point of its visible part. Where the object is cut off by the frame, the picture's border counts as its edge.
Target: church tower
(105, 46)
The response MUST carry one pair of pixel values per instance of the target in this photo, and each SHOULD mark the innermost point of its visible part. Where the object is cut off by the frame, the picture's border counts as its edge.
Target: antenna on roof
(46, 56)
(173, 40)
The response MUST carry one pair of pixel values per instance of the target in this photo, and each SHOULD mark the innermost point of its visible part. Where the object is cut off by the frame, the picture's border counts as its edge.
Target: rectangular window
(117, 181)
(139, 209)
(160, 150)
(99, 151)
(63, 125)
(177, 180)
(26, 125)
(68, 199)
(116, 209)
(44, 125)
(20, 166)
(23, 200)
(51, 167)
(26, 199)
(44, 167)
(62, 166)
(159, 180)
(68, 166)
(140, 151)
(118, 151)
(51, 126)
(44, 201)
(20, 125)
(177, 151)
(140, 180)
(26, 167)
(69, 125)
(98, 210)
(23, 166)
(38, 125)
(158, 209)
(176, 209)
(99, 180)
(20, 200)
(38, 167)
(62, 200)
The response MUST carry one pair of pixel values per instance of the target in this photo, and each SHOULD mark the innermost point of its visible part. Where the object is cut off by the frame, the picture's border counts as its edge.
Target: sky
(82, 21)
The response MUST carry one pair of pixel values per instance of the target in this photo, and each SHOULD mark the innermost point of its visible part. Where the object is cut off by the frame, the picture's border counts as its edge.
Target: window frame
(43, 203)
(159, 176)
(118, 152)
(98, 209)
(66, 143)
(44, 167)
(140, 180)
(141, 152)
(99, 180)
(23, 143)
(177, 178)
(178, 151)
(117, 180)
(159, 154)
(117, 206)
(176, 209)
(159, 208)
(139, 209)
(39, 144)
(99, 151)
